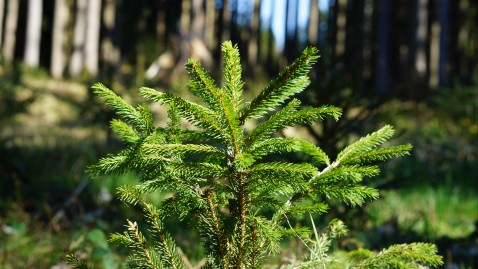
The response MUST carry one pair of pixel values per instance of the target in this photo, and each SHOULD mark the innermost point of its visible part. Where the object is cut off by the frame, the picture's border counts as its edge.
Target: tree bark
(10, 30)
(32, 41)
(79, 36)
(92, 36)
(60, 22)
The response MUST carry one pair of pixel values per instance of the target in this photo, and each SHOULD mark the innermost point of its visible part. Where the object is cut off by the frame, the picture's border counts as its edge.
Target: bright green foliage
(221, 179)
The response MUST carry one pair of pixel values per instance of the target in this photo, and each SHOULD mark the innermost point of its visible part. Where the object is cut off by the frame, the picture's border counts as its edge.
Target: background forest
(412, 64)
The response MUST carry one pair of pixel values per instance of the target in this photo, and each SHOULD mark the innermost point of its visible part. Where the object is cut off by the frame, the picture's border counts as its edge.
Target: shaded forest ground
(51, 130)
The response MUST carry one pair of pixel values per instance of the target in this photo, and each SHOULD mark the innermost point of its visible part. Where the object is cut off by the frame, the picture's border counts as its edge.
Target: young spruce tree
(222, 180)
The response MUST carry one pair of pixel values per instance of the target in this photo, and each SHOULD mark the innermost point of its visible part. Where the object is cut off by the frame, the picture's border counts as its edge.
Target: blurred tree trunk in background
(92, 41)
(33, 33)
(367, 44)
(434, 48)
(291, 30)
(466, 28)
(339, 46)
(253, 42)
(59, 38)
(382, 72)
(420, 58)
(2, 13)
(444, 18)
(225, 22)
(233, 27)
(11, 22)
(160, 23)
(270, 63)
(210, 21)
(313, 24)
(354, 43)
(79, 36)
(110, 51)
(198, 19)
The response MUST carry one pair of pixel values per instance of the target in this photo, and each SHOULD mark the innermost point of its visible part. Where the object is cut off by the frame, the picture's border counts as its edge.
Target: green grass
(429, 212)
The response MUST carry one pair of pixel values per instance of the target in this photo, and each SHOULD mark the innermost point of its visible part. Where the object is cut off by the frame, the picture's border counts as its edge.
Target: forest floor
(50, 207)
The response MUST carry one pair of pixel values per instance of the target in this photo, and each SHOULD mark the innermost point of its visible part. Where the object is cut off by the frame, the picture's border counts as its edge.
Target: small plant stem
(242, 223)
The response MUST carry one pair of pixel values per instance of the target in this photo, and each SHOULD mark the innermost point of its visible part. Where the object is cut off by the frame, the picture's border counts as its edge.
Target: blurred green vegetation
(51, 130)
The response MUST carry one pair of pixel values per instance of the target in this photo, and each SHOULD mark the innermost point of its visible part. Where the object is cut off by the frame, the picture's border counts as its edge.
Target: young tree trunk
(79, 36)
(92, 36)
(10, 30)
(32, 41)
(60, 22)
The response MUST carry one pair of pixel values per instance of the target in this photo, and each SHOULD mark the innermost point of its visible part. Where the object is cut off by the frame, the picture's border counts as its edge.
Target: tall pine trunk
(60, 21)
(2, 13)
(32, 41)
(10, 30)
(93, 36)
(79, 36)
(110, 52)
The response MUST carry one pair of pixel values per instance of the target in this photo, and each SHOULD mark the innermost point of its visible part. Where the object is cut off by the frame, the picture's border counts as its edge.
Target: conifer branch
(75, 262)
(120, 107)
(291, 81)
(232, 75)
(203, 85)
